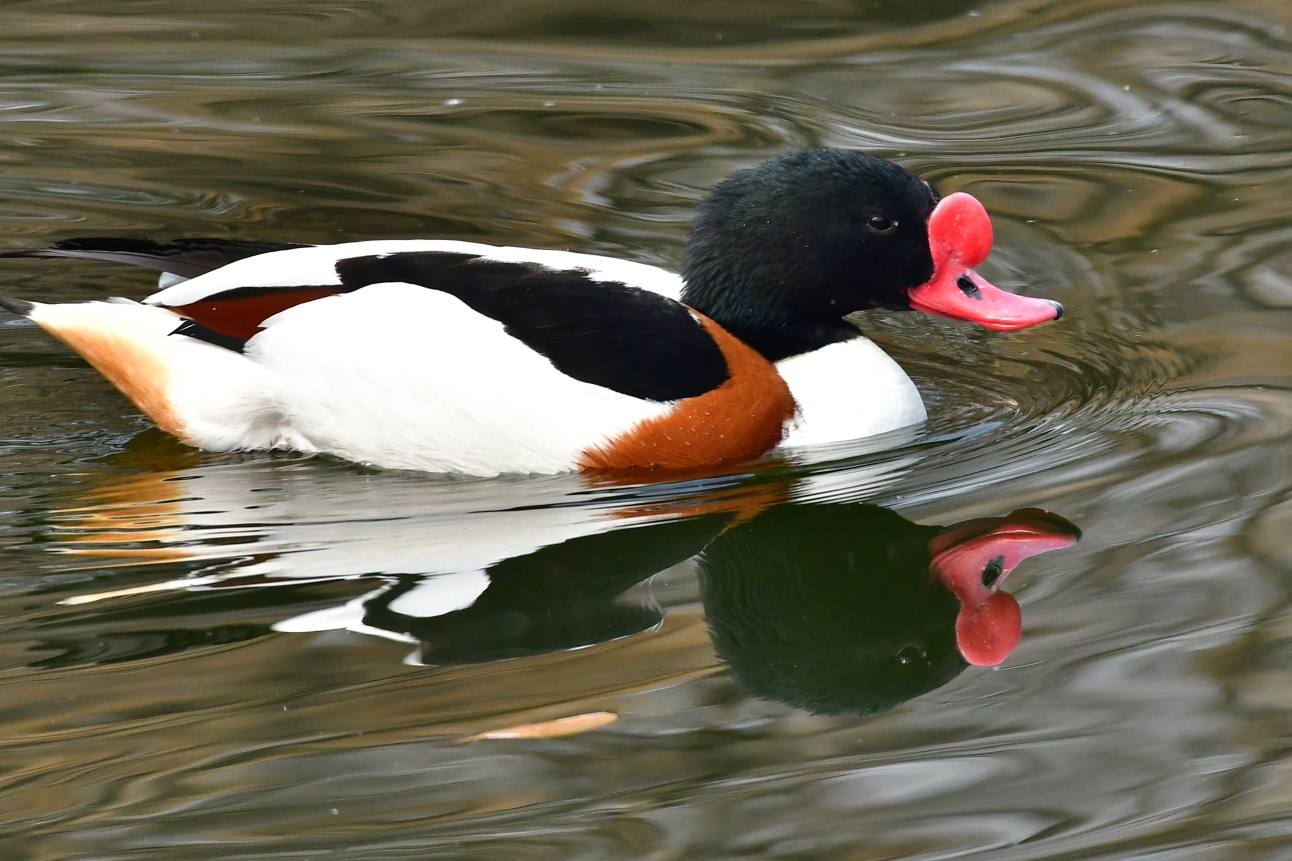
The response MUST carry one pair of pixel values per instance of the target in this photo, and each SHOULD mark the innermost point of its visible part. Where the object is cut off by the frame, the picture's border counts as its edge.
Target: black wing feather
(609, 334)
(202, 332)
(186, 258)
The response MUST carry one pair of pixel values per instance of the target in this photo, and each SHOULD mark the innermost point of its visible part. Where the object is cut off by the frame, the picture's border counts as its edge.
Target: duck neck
(775, 333)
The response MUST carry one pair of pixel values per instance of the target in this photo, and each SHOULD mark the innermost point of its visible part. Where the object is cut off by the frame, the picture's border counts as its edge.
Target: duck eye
(910, 654)
(880, 224)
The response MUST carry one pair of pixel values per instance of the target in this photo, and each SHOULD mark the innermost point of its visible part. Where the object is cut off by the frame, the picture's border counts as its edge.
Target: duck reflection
(831, 606)
(566, 596)
(834, 608)
(852, 608)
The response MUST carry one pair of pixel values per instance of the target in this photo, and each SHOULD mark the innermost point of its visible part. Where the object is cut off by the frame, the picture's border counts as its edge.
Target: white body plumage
(398, 375)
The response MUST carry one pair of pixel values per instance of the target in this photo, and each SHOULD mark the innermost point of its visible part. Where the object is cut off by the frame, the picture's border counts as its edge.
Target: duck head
(782, 252)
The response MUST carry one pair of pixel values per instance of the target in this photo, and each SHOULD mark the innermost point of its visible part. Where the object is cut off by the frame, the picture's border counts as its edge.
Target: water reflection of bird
(832, 606)
(853, 608)
(842, 607)
(454, 356)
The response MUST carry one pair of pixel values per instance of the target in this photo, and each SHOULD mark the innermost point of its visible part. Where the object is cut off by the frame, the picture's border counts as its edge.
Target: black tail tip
(16, 306)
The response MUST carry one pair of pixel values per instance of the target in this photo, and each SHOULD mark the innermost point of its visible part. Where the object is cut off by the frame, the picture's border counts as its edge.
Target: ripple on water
(1134, 158)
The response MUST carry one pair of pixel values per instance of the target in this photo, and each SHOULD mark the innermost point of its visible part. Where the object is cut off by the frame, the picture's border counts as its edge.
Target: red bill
(973, 558)
(960, 238)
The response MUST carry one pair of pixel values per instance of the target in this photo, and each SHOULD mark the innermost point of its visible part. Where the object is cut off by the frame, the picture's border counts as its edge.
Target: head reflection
(851, 608)
(834, 608)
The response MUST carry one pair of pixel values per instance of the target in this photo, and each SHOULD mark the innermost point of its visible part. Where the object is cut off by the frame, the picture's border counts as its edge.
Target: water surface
(258, 691)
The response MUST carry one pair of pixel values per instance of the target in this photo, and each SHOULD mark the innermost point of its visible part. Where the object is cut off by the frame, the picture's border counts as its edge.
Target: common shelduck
(459, 357)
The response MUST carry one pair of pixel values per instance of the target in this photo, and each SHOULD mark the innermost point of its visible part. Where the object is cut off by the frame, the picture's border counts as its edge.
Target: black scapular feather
(608, 334)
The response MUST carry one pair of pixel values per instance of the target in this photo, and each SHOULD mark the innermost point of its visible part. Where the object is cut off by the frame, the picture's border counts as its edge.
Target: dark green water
(1135, 158)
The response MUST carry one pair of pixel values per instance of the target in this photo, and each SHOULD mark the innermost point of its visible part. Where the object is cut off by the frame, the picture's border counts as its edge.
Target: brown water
(1135, 159)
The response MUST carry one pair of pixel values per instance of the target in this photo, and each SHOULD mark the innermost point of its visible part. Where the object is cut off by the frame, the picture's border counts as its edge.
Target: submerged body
(458, 357)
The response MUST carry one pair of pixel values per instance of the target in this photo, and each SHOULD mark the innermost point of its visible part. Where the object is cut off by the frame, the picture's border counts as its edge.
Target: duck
(458, 357)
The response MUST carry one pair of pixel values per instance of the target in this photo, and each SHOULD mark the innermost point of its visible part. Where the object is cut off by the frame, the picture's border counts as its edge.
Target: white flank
(316, 267)
(848, 391)
(394, 375)
(400, 376)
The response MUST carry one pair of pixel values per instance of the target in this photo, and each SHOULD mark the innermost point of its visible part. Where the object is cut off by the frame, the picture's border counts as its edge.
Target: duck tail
(125, 341)
(208, 396)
